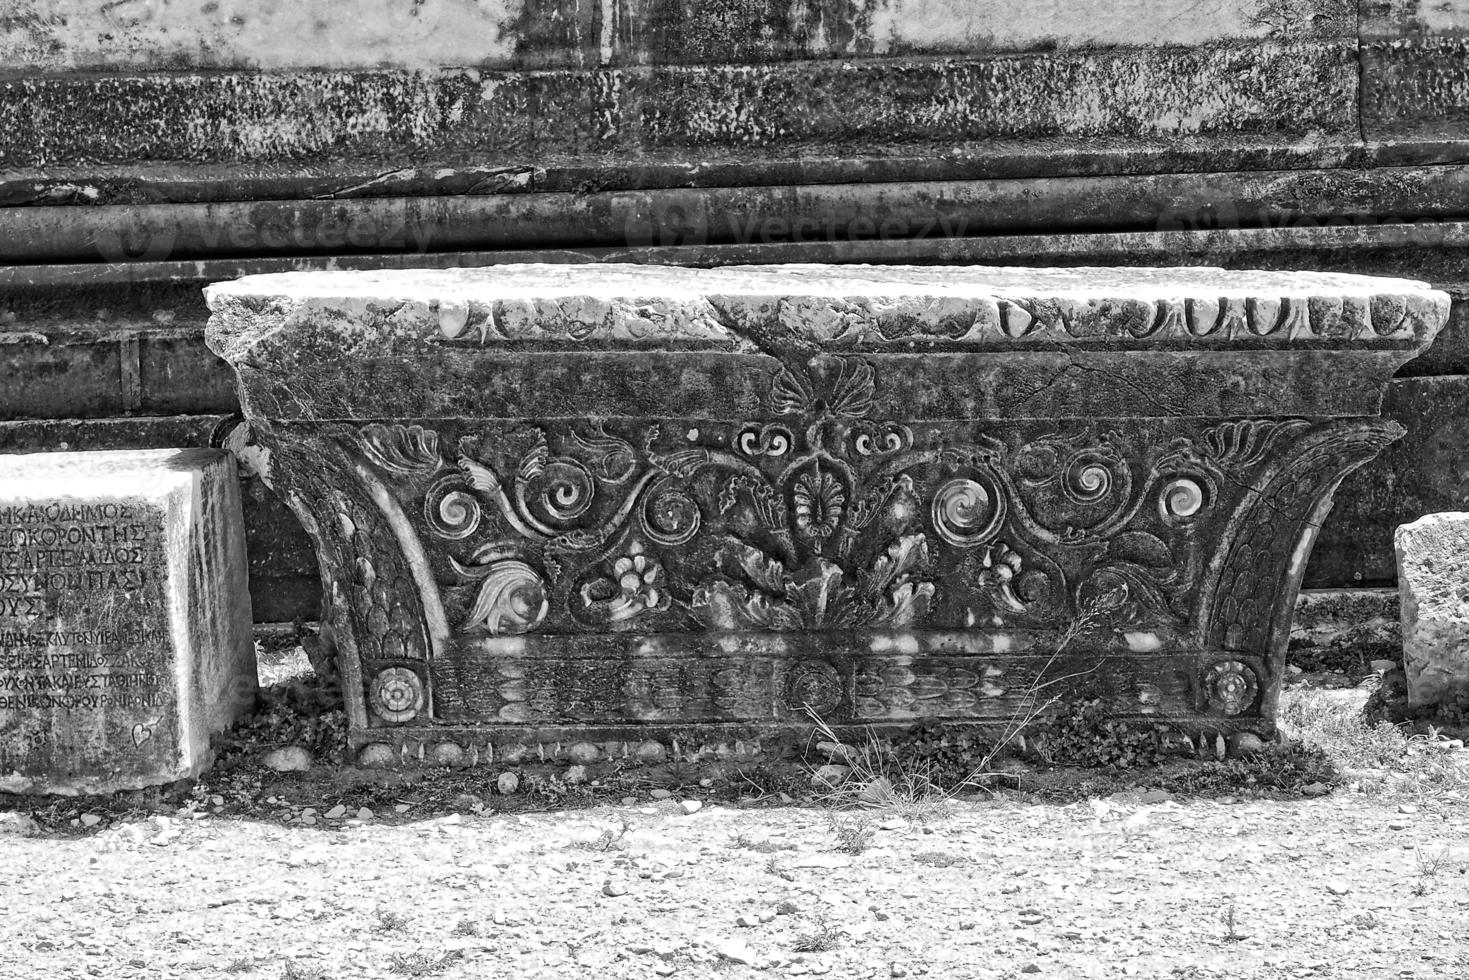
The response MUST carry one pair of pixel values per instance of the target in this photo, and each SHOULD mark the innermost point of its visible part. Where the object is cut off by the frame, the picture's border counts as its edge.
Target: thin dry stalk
(915, 791)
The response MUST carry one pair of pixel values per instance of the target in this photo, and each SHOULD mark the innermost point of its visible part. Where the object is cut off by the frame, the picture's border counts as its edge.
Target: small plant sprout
(1231, 931)
(853, 834)
(821, 939)
(389, 920)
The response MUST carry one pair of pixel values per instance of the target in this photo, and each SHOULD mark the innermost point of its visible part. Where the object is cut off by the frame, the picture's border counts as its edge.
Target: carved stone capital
(611, 502)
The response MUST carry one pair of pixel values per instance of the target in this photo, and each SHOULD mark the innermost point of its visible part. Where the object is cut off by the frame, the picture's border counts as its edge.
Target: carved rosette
(396, 695)
(813, 685)
(1230, 687)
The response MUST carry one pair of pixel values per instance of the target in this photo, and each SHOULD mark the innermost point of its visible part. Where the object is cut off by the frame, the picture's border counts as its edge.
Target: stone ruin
(125, 632)
(416, 134)
(591, 511)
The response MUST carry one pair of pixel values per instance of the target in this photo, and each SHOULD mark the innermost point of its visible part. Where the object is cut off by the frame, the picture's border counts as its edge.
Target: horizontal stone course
(857, 306)
(1301, 87)
(248, 34)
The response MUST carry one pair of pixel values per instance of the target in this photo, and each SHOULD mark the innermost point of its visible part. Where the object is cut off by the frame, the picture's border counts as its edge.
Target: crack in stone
(1168, 411)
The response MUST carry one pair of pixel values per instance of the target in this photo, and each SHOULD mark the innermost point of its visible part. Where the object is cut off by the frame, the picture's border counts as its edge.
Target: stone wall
(153, 146)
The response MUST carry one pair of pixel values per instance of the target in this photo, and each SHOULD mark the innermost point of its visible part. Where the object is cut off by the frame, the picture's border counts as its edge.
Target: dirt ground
(1341, 886)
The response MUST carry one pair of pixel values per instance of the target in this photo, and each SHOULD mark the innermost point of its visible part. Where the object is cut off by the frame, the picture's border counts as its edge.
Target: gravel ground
(1342, 886)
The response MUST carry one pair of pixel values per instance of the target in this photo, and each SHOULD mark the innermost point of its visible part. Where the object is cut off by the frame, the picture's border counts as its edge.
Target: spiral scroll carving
(1181, 498)
(966, 513)
(1088, 478)
(450, 511)
(567, 489)
(670, 517)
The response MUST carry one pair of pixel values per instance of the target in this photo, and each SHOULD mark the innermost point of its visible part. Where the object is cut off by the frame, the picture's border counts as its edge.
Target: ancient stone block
(1433, 581)
(124, 617)
(590, 506)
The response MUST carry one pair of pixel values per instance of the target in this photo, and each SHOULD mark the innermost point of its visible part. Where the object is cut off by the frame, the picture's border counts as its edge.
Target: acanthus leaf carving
(511, 598)
(402, 449)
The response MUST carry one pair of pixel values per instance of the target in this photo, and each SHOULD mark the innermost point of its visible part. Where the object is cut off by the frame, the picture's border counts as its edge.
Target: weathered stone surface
(1423, 473)
(542, 211)
(593, 503)
(69, 34)
(124, 617)
(1433, 579)
(1307, 87)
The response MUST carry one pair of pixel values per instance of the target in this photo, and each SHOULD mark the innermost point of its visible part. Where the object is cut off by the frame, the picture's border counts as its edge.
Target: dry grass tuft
(1381, 758)
(878, 779)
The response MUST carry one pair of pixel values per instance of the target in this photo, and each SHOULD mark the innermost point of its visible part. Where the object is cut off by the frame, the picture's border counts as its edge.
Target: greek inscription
(80, 618)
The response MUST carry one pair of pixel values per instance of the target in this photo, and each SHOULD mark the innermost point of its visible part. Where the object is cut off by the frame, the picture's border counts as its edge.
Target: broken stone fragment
(291, 758)
(830, 777)
(1433, 581)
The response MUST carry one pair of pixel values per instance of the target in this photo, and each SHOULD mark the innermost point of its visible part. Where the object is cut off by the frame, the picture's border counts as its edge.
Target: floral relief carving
(826, 517)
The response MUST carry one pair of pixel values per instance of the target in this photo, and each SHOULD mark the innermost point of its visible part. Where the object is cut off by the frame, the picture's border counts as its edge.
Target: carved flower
(637, 577)
(818, 502)
(1000, 567)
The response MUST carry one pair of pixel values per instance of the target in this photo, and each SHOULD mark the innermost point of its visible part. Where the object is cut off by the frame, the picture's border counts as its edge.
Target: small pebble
(364, 814)
(660, 794)
(508, 783)
(90, 820)
(1338, 887)
(691, 806)
(337, 812)
(736, 951)
(614, 889)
